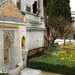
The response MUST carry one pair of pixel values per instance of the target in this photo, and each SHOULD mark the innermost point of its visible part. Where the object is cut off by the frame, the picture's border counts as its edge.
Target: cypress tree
(59, 8)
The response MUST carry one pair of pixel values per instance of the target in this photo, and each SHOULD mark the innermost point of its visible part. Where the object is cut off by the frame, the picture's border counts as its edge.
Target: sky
(72, 5)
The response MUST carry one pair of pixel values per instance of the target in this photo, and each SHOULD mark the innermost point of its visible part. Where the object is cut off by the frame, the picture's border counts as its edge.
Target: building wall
(16, 57)
(30, 2)
(35, 25)
(35, 39)
(35, 30)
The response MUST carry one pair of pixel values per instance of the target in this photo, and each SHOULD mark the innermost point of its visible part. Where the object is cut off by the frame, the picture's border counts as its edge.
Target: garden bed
(61, 60)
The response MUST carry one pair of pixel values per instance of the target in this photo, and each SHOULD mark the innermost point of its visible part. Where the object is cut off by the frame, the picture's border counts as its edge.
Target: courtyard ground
(29, 71)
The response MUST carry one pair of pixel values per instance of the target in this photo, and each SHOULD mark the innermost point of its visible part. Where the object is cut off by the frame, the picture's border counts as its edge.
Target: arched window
(23, 42)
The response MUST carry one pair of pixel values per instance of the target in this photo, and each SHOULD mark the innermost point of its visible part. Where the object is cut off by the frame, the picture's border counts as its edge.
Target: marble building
(21, 34)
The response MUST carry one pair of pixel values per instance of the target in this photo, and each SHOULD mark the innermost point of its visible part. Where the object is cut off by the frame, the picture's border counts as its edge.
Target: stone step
(29, 71)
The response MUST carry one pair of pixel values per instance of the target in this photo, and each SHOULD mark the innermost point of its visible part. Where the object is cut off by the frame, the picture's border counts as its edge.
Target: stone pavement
(29, 71)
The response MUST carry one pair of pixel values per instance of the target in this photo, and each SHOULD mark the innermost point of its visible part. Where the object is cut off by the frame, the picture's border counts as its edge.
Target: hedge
(52, 64)
(4, 74)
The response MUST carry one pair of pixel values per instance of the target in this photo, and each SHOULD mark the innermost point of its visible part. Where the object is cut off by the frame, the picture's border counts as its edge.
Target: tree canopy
(45, 3)
(59, 8)
(59, 17)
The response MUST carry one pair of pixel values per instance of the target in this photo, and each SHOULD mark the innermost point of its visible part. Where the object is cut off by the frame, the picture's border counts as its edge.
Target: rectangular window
(28, 8)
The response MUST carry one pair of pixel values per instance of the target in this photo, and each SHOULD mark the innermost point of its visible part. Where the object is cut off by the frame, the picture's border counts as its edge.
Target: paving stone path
(29, 71)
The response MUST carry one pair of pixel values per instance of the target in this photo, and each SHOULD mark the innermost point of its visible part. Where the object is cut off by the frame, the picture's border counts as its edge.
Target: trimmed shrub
(52, 64)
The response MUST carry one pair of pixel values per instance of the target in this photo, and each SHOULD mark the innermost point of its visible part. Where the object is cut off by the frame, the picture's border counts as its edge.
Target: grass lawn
(61, 60)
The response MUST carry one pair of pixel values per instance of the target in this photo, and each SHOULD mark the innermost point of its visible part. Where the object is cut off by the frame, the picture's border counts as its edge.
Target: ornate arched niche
(23, 42)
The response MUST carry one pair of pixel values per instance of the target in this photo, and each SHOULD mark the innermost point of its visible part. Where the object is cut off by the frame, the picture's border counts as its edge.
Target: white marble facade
(35, 24)
(27, 36)
(12, 56)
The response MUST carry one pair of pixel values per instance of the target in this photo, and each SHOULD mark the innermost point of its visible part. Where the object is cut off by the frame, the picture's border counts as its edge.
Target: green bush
(4, 74)
(51, 63)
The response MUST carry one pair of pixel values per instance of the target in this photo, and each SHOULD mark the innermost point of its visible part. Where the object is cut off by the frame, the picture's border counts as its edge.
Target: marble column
(1, 49)
(23, 5)
(40, 7)
(14, 50)
(16, 46)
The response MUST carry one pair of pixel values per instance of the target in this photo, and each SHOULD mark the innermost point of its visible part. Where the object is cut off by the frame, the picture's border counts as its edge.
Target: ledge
(32, 14)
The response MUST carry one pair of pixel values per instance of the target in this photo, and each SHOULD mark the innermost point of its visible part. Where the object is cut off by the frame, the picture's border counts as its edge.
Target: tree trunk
(51, 45)
(64, 41)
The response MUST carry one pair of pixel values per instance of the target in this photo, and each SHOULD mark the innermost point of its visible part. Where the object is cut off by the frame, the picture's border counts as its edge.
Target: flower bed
(61, 60)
